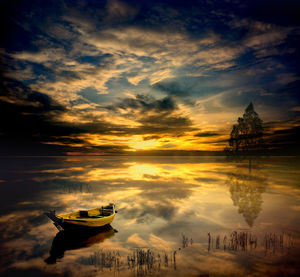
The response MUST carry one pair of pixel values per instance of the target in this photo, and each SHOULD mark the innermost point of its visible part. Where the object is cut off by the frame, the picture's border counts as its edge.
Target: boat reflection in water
(76, 239)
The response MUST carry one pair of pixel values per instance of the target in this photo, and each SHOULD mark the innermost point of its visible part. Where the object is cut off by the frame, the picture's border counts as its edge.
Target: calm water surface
(177, 216)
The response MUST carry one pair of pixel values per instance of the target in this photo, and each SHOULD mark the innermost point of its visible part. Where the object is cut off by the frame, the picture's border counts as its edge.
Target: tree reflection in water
(247, 185)
(76, 239)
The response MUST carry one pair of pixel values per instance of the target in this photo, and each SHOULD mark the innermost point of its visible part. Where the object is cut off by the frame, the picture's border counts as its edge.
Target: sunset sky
(122, 76)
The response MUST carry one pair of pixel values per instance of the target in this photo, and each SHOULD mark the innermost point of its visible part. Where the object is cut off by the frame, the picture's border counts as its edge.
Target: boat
(94, 218)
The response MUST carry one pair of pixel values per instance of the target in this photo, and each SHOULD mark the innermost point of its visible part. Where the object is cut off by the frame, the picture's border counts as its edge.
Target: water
(177, 216)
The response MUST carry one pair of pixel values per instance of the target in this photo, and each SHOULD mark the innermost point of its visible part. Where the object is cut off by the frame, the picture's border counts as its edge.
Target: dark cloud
(284, 141)
(160, 125)
(207, 134)
(207, 180)
(25, 108)
(291, 89)
(151, 137)
(216, 142)
(189, 88)
(157, 116)
(23, 22)
(173, 88)
(26, 124)
(166, 121)
(102, 60)
(146, 103)
(31, 123)
(110, 148)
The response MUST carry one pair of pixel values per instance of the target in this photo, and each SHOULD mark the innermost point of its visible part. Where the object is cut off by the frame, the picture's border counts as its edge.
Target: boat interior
(94, 213)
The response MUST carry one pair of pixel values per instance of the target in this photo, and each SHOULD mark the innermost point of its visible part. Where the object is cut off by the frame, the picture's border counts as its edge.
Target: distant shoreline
(155, 153)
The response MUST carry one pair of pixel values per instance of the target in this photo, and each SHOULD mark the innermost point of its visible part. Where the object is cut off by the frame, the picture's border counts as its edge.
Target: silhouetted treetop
(246, 135)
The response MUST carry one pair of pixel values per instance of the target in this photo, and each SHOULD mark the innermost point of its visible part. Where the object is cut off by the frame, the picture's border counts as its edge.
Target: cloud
(156, 116)
(142, 70)
(50, 54)
(207, 134)
(119, 11)
(169, 145)
(35, 122)
(38, 122)
(283, 136)
(274, 38)
(100, 57)
(146, 103)
(151, 137)
(130, 52)
(173, 88)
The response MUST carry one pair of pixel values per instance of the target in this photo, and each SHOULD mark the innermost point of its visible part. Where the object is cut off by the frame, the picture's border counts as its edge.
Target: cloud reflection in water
(158, 199)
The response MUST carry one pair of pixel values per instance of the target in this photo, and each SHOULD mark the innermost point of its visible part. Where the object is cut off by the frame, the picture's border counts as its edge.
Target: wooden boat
(93, 218)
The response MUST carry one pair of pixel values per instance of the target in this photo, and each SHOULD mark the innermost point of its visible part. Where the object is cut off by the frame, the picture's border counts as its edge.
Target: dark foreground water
(178, 216)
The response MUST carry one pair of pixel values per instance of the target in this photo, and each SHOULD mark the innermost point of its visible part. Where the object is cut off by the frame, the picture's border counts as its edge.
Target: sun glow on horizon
(145, 145)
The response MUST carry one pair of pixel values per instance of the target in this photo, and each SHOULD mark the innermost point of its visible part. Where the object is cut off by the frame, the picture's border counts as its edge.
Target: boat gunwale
(67, 217)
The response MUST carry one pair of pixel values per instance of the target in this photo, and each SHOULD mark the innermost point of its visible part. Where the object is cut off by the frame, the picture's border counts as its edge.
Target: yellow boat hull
(96, 217)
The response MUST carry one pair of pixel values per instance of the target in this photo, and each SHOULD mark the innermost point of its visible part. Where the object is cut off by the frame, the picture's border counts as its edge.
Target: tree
(247, 135)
